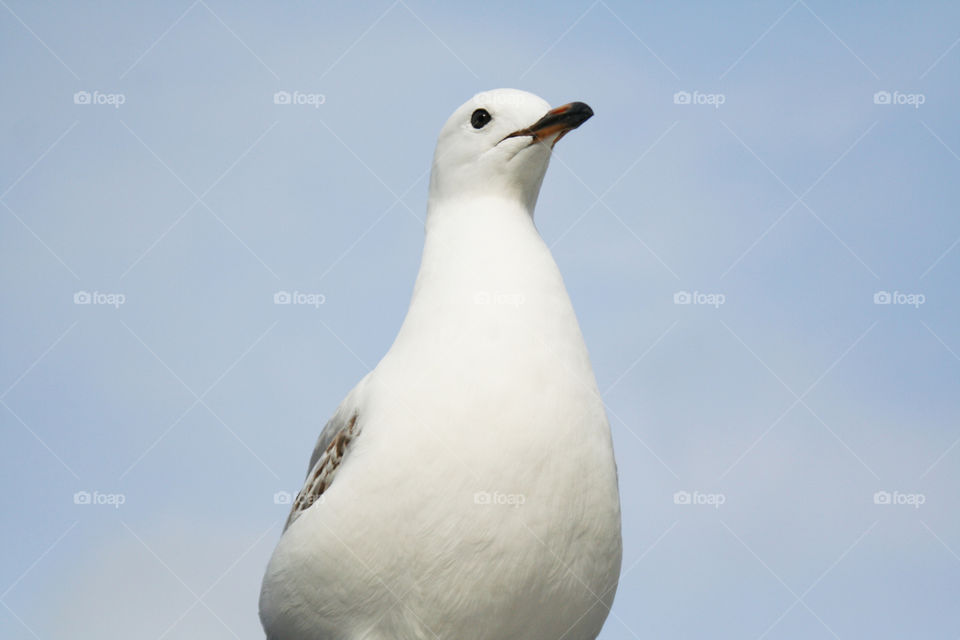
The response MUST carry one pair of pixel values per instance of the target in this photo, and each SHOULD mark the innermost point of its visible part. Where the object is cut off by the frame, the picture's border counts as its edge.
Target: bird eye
(479, 118)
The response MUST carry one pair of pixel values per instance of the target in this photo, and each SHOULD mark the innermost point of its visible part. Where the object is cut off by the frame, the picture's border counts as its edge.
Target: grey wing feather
(328, 454)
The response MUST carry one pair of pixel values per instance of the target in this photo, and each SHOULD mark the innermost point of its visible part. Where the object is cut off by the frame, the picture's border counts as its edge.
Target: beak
(560, 120)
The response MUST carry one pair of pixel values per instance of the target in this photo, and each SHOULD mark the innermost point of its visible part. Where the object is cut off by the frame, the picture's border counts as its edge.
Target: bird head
(498, 144)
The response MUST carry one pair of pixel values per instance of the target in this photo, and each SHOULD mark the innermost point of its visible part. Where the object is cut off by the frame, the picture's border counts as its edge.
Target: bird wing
(331, 448)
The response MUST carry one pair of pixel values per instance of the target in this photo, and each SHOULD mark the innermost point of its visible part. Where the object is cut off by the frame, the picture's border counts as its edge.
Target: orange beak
(561, 120)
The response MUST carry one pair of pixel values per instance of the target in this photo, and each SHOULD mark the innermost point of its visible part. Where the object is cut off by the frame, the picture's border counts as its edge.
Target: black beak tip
(582, 109)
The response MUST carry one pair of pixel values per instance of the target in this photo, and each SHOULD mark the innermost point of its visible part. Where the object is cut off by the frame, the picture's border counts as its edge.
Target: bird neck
(484, 264)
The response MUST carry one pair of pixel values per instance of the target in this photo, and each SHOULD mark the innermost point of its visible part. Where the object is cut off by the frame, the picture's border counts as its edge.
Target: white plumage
(466, 488)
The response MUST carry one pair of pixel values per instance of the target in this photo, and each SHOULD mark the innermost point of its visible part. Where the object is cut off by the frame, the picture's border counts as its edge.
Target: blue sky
(787, 188)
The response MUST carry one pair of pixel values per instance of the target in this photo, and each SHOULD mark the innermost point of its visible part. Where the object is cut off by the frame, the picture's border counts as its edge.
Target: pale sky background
(797, 199)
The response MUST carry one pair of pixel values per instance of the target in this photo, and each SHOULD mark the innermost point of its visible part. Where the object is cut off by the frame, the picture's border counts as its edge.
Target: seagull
(466, 487)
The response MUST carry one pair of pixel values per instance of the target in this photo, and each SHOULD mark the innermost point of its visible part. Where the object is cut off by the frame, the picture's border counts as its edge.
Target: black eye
(479, 118)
